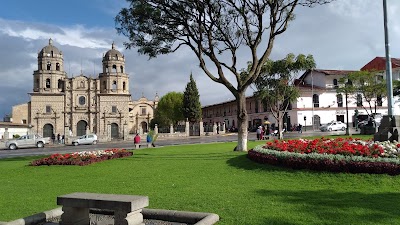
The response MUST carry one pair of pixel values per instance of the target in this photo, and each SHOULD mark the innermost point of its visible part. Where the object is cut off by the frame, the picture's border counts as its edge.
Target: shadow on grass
(331, 207)
(189, 156)
(21, 158)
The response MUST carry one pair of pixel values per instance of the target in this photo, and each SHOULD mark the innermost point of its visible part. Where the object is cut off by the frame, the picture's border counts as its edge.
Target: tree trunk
(242, 122)
(280, 125)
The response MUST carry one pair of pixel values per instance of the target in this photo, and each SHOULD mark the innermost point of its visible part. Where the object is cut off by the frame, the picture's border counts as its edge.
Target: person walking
(58, 138)
(53, 138)
(300, 128)
(136, 140)
(258, 132)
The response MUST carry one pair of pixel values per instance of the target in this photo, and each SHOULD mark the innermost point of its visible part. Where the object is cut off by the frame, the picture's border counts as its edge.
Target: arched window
(82, 100)
(48, 83)
(58, 66)
(40, 66)
(104, 85)
(106, 69)
(48, 65)
(52, 54)
(122, 69)
(339, 100)
(315, 99)
(114, 68)
(335, 83)
(61, 85)
(359, 100)
(114, 85)
(124, 86)
(36, 83)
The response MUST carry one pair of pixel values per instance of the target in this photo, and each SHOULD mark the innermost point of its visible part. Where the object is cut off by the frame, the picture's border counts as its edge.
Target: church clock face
(82, 100)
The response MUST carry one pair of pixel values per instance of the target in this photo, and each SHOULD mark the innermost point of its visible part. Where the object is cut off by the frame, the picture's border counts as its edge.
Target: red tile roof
(379, 63)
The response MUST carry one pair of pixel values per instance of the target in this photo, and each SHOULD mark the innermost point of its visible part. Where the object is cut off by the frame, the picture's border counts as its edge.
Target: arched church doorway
(48, 130)
(114, 130)
(317, 122)
(81, 128)
(144, 127)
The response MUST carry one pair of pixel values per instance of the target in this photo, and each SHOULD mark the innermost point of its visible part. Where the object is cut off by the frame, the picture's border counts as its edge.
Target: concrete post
(187, 127)
(171, 129)
(6, 137)
(201, 127)
(109, 132)
(66, 135)
(215, 128)
(156, 129)
(126, 131)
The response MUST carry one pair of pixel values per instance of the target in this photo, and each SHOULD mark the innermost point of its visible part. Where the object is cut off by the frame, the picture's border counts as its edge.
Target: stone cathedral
(78, 105)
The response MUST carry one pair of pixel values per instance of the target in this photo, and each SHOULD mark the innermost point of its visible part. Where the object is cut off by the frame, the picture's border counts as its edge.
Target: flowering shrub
(81, 158)
(335, 155)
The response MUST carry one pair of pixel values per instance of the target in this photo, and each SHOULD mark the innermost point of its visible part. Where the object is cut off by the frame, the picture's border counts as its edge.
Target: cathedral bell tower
(50, 75)
(113, 79)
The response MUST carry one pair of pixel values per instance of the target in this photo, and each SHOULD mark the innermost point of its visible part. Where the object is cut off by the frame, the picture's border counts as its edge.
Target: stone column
(201, 127)
(156, 129)
(109, 132)
(187, 127)
(215, 128)
(66, 135)
(171, 129)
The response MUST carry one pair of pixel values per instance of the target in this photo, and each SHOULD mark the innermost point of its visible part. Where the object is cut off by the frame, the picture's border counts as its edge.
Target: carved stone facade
(79, 105)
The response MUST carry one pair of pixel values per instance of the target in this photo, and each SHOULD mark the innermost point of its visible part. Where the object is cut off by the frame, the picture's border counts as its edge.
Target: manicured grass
(208, 178)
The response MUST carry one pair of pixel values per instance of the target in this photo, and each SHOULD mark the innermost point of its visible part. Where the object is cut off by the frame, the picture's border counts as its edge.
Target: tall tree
(215, 30)
(275, 85)
(191, 101)
(364, 86)
(169, 109)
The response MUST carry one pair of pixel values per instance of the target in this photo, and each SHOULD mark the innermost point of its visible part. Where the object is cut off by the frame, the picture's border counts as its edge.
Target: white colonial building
(319, 102)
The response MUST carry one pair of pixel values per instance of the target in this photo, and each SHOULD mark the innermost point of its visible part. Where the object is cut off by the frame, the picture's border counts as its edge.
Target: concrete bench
(127, 208)
(143, 145)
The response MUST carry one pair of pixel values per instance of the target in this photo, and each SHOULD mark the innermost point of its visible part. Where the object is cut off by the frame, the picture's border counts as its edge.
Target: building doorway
(48, 130)
(316, 122)
(81, 128)
(340, 118)
(144, 127)
(114, 131)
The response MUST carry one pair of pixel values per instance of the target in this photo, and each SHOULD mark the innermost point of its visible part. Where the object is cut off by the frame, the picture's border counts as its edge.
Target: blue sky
(346, 34)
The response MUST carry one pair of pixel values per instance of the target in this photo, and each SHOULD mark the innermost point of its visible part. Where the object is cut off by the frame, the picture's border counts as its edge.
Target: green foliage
(208, 178)
(211, 29)
(15, 136)
(191, 102)
(366, 83)
(153, 136)
(169, 109)
(275, 86)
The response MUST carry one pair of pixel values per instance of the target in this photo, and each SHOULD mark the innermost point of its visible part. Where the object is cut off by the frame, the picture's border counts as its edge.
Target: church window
(104, 85)
(82, 84)
(114, 109)
(52, 54)
(114, 85)
(48, 109)
(124, 86)
(48, 83)
(61, 85)
(82, 100)
(58, 66)
(122, 69)
(114, 68)
(37, 83)
(107, 69)
(143, 110)
(48, 65)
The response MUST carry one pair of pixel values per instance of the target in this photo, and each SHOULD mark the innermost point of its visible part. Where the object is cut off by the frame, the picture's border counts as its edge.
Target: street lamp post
(356, 119)
(347, 113)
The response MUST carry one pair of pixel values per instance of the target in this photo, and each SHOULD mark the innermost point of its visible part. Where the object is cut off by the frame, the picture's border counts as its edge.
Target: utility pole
(389, 77)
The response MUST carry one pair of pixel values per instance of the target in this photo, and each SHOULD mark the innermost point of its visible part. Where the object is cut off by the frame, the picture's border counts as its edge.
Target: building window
(122, 69)
(48, 65)
(359, 100)
(37, 83)
(114, 68)
(335, 83)
(104, 85)
(114, 85)
(48, 109)
(24, 121)
(114, 109)
(315, 99)
(48, 83)
(82, 100)
(58, 66)
(143, 110)
(124, 86)
(107, 69)
(339, 99)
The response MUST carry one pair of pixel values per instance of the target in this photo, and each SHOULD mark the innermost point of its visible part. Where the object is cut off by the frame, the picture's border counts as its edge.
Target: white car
(334, 125)
(88, 139)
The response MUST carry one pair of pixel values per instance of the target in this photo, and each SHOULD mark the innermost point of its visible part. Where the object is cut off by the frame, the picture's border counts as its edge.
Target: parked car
(27, 141)
(85, 140)
(334, 125)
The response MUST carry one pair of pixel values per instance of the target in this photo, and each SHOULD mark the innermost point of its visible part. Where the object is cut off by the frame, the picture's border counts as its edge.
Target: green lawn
(208, 178)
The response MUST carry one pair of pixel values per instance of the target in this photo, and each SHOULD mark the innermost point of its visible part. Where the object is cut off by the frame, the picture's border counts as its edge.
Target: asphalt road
(62, 149)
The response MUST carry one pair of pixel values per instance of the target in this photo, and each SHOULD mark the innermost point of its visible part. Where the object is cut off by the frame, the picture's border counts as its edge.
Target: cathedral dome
(113, 53)
(50, 49)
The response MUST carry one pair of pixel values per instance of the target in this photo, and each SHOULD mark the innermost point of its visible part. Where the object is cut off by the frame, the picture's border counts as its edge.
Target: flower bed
(81, 158)
(335, 155)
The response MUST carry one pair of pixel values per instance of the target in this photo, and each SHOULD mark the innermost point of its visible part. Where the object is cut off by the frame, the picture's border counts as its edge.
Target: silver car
(334, 125)
(87, 139)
